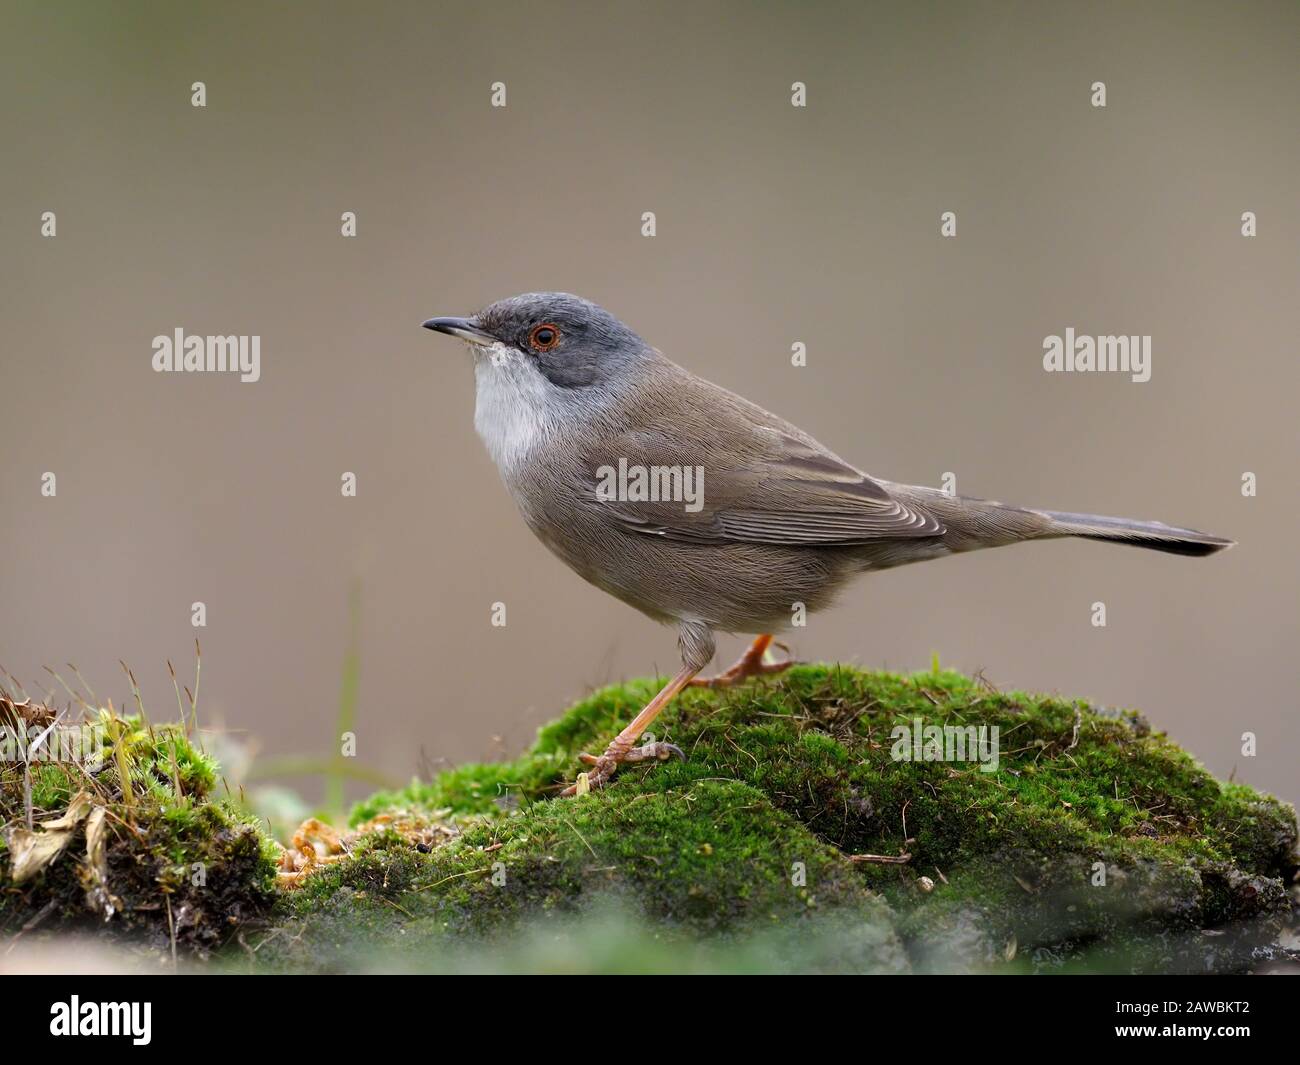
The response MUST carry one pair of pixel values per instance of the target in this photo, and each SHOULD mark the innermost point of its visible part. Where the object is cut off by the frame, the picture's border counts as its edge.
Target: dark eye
(544, 337)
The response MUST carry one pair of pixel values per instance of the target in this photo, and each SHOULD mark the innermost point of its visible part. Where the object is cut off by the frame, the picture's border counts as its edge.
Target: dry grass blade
(121, 758)
(194, 699)
(881, 859)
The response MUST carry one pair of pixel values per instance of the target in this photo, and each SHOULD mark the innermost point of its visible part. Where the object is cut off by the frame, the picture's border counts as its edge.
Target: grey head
(569, 342)
(545, 365)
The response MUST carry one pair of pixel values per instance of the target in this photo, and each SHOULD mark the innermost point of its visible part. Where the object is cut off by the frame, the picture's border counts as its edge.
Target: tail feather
(1153, 534)
(974, 524)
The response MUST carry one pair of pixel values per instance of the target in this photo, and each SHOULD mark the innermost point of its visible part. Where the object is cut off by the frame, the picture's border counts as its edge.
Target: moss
(705, 858)
(820, 742)
(1093, 842)
(1097, 842)
(174, 865)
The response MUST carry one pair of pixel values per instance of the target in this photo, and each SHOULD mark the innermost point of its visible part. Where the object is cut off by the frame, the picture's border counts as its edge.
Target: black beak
(460, 327)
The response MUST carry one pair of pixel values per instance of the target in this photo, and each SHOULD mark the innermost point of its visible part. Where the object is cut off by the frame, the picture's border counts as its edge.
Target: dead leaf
(32, 851)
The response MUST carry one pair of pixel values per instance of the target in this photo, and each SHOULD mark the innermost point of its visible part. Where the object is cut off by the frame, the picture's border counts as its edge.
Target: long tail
(1153, 534)
(972, 524)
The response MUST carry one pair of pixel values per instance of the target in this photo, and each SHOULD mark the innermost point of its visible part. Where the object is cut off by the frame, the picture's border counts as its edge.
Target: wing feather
(789, 491)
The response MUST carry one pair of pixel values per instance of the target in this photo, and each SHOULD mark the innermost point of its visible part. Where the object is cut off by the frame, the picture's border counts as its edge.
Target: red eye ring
(544, 337)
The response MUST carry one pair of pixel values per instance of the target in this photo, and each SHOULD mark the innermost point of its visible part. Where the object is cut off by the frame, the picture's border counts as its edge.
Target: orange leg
(751, 664)
(622, 749)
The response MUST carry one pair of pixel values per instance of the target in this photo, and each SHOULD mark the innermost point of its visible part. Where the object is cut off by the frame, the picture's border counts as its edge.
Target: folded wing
(774, 487)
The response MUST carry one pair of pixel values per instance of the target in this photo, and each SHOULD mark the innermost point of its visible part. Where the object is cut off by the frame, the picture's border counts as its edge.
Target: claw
(789, 659)
(753, 663)
(607, 763)
(620, 748)
(660, 752)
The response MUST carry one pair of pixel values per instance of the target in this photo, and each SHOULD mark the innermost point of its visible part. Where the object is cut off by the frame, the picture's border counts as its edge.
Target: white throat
(511, 404)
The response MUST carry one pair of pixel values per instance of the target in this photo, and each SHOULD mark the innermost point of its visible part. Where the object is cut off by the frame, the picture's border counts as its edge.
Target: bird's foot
(753, 663)
(604, 766)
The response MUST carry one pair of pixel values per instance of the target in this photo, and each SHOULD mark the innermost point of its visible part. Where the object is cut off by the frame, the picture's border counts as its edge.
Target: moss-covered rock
(711, 859)
(127, 838)
(1089, 842)
(818, 823)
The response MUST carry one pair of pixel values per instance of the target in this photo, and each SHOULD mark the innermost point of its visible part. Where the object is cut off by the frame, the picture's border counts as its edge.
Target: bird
(700, 508)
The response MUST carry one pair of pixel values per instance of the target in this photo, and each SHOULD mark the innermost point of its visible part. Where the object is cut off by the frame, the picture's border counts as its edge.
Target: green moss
(1094, 839)
(704, 858)
(820, 741)
(1094, 843)
(178, 865)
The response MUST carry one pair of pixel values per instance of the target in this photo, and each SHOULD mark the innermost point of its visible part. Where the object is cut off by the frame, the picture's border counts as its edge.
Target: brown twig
(881, 859)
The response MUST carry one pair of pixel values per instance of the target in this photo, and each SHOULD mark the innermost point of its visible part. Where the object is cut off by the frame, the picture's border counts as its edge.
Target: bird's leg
(621, 749)
(753, 663)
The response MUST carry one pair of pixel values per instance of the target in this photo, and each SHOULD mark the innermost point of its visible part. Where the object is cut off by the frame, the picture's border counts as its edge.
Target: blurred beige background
(774, 225)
